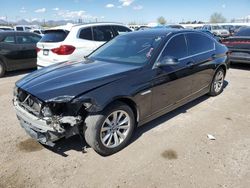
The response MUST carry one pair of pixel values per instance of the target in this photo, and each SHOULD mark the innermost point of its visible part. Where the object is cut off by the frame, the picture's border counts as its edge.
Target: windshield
(128, 49)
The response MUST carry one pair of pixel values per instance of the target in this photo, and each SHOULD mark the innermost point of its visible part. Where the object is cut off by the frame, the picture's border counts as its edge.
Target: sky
(126, 11)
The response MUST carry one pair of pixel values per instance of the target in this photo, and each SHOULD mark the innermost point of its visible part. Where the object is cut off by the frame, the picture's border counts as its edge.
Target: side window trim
(190, 56)
(79, 31)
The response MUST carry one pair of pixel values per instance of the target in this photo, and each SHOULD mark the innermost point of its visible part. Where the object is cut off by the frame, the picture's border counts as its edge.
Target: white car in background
(73, 42)
(217, 30)
(38, 31)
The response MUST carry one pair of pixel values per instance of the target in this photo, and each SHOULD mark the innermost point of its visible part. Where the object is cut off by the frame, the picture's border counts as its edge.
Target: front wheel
(217, 84)
(110, 131)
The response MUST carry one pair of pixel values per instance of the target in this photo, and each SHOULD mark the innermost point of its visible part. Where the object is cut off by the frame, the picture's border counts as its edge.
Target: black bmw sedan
(17, 50)
(125, 83)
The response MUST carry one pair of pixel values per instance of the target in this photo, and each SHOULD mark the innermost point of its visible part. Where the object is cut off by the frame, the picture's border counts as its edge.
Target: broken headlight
(46, 111)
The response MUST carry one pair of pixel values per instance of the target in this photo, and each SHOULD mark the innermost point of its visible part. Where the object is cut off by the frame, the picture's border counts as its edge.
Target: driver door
(172, 82)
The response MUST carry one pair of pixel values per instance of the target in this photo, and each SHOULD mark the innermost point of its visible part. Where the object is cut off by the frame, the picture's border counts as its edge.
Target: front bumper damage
(47, 130)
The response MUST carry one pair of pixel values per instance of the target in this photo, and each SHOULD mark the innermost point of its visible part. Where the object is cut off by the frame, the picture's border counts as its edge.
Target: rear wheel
(217, 83)
(111, 130)
(2, 69)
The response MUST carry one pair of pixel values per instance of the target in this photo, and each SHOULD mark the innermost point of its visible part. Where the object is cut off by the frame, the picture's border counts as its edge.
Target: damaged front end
(50, 121)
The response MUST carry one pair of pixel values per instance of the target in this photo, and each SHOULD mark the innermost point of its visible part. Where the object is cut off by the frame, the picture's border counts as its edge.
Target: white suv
(73, 42)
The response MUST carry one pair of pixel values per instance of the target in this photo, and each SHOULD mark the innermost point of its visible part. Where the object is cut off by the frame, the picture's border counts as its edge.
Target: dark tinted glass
(9, 39)
(102, 33)
(120, 29)
(198, 43)
(19, 28)
(243, 32)
(176, 48)
(54, 36)
(27, 39)
(86, 34)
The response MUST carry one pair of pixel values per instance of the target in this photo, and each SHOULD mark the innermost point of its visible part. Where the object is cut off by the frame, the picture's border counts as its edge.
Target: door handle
(190, 64)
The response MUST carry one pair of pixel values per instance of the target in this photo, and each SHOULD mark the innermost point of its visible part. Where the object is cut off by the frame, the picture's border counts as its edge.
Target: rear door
(9, 50)
(172, 83)
(86, 44)
(202, 50)
(26, 43)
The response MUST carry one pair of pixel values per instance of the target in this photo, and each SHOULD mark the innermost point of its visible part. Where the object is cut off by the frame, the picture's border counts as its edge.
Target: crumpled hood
(67, 80)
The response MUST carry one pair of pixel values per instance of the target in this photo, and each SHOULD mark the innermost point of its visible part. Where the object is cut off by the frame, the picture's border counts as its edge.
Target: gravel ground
(171, 151)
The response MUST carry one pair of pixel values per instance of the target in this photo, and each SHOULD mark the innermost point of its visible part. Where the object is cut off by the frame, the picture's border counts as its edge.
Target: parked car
(73, 42)
(125, 83)
(239, 46)
(230, 28)
(17, 50)
(217, 30)
(38, 31)
(176, 26)
(22, 28)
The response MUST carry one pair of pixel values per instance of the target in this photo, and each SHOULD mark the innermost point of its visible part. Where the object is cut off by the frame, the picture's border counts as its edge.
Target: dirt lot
(172, 151)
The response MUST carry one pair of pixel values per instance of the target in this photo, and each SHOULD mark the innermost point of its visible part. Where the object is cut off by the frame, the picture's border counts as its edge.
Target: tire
(2, 69)
(104, 135)
(217, 84)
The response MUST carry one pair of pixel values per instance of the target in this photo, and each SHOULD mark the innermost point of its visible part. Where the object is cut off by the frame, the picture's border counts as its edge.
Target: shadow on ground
(76, 143)
(19, 72)
(240, 66)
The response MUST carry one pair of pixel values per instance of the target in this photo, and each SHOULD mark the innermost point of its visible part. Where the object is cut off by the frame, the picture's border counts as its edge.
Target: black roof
(13, 32)
(160, 32)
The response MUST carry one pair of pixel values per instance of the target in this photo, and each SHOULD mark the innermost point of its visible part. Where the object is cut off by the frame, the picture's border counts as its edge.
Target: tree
(161, 20)
(217, 18)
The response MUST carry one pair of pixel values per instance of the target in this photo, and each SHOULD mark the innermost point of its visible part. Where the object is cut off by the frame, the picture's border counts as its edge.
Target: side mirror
(168, 60)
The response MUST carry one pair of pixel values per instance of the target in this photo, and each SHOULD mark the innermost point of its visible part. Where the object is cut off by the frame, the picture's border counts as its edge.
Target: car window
(27, 28)
(9, 39)
(198, 43)
(19, 28)
(54, 35)
(102, 33)
(36, 31)
(25, 39)
(176, 48)
(120, 29)
(86, 33)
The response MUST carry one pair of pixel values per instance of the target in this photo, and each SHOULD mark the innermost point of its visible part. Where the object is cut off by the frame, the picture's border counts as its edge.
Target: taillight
(64, 50)
(236, 42)
(38, 50)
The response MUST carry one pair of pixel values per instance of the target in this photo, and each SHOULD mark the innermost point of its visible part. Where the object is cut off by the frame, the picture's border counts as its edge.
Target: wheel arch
(128, 101)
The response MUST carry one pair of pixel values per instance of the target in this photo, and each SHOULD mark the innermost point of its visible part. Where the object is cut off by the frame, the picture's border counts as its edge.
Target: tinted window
(26, 39)
(198, 43)
(176, 47)
(86, 33)
(102, 33)
(120, 29)
(54, 36)
(36, 31)
(9, 39)
(27, 28)
(243, 32)
(19, 28)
